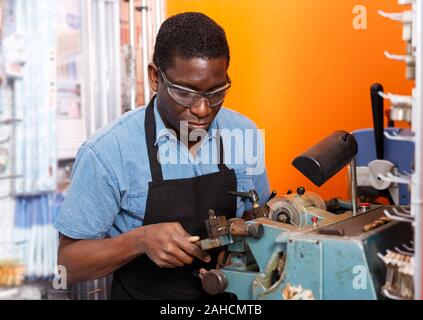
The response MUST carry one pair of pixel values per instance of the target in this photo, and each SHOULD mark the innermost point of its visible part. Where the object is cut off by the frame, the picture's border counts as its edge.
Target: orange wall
(301, 71)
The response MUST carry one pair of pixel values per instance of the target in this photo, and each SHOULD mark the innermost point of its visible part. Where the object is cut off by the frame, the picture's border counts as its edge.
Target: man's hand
(168, 245)
(201, 273)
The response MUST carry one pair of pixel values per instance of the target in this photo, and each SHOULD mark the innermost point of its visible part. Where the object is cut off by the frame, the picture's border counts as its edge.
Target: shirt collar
(163, 134)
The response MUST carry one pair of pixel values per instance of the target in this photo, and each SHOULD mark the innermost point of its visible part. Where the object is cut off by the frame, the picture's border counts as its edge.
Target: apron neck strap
(222, 166)
(152, 149)
(150, 137)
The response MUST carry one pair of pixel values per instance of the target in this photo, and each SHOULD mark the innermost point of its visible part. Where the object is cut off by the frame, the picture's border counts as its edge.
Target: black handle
(272, 195)
(300, 191)
(252, 195)
(377, 110)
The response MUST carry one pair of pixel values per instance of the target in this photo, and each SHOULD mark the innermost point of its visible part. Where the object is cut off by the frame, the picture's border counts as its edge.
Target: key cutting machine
(293, 248)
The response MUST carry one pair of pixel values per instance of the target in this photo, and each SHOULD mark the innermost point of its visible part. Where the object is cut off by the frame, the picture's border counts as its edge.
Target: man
(142, 187)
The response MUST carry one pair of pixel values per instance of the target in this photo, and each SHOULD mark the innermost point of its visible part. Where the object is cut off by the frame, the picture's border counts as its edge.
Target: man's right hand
(168, 245)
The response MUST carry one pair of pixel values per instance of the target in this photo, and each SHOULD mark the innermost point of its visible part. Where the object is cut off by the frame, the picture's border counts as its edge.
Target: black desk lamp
(322, 161)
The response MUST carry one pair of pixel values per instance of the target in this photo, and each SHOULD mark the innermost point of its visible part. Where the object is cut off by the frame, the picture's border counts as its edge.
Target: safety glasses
(189, 98)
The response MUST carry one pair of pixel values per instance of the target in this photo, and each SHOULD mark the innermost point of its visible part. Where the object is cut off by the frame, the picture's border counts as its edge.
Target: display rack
(417, 178)
(409, 108)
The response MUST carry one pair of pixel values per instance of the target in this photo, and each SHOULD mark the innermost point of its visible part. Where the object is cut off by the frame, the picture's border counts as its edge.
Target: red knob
(314, 219)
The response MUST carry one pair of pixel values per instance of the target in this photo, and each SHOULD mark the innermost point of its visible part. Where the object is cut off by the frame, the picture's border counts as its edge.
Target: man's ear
(153, 77)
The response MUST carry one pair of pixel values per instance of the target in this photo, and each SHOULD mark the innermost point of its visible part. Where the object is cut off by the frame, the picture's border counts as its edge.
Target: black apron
(186, 201)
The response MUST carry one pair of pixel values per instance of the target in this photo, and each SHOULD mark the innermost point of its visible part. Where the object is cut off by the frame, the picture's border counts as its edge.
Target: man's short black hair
(189, 35)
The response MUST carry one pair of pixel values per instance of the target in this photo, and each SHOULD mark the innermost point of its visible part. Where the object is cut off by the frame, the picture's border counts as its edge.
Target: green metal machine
(294, 248)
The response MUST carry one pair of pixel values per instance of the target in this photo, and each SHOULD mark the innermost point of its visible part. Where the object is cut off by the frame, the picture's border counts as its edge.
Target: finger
(195, 251)
(177, 248)
(193, 239)
(173, 261)
(183, 257)
(181, 230)
(165, 260)
(175, 255)
(201, 273)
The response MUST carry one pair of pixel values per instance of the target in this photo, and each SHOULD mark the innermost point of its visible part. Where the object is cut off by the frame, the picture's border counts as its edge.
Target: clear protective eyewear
(189, 98)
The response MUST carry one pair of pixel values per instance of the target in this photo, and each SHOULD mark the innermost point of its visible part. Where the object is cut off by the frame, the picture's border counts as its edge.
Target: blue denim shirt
(109, 185)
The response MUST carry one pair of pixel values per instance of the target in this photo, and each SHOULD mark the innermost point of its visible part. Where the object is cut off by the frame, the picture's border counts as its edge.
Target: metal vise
(223, 232)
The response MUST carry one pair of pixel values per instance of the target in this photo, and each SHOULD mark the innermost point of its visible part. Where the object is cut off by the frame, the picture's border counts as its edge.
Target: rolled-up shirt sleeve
(92, 200)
